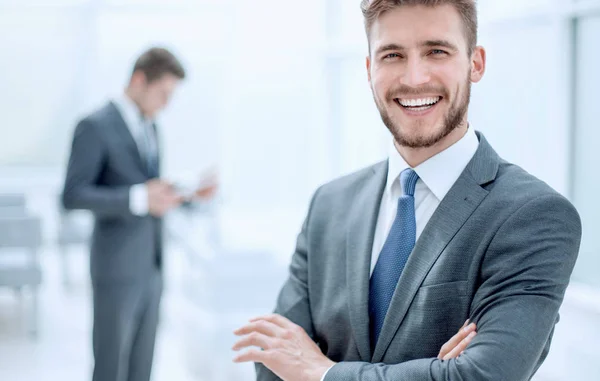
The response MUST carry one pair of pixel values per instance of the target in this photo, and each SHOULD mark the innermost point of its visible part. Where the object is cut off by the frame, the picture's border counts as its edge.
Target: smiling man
(392, 259)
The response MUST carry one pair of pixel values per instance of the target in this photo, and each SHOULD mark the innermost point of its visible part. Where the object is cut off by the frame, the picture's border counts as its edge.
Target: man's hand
(286, 349)
(208, 187)
(207, 192)
(161, 197)
(459, 342)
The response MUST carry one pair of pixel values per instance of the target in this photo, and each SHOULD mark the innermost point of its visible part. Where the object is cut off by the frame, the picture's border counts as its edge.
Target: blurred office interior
(277, 100)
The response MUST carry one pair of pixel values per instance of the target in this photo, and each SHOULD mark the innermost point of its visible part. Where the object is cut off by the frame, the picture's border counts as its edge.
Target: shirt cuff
(327, 371)
(138, 199)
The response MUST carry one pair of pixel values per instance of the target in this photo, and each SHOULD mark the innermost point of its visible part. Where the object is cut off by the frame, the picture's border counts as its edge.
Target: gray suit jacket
(103, 165)
(499, 250)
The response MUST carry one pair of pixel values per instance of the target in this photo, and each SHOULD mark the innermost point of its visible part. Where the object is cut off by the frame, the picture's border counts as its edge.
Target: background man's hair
(156, 62)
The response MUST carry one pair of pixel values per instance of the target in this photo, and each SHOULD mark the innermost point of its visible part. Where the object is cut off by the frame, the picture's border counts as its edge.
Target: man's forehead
(166, 80)
(412, 26)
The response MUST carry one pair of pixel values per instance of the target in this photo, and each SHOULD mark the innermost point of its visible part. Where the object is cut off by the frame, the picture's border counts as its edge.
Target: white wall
(254, 104)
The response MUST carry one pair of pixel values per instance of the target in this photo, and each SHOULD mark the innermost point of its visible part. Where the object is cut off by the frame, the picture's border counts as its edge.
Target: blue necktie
(394, 255)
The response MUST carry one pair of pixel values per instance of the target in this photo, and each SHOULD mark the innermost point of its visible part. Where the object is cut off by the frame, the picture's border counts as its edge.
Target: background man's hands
(161, 197)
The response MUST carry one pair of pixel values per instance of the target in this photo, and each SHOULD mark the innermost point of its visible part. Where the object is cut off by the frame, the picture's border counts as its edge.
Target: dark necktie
(150, 151)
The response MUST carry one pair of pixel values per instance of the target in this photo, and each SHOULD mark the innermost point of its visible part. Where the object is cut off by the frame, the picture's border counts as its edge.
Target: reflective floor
(62, 349)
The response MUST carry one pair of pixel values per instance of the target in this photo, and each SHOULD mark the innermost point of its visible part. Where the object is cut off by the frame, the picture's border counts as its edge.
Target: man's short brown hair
(156, 62)
(373, 9)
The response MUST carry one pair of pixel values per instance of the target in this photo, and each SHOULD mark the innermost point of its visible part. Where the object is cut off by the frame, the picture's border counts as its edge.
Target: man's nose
(416, 74)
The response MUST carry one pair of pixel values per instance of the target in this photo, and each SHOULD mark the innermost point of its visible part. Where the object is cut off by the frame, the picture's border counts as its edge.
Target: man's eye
(436, 52)
(391, 56)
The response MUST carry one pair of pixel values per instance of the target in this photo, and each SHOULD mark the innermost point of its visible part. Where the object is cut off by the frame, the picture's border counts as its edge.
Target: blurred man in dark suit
(114, 171)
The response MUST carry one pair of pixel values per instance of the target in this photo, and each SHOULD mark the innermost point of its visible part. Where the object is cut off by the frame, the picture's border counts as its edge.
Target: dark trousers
(124, 329)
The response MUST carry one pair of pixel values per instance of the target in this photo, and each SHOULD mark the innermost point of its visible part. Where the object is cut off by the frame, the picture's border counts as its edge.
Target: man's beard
(452, 120)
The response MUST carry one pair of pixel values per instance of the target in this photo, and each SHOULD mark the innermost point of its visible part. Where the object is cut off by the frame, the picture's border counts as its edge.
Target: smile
(417, 105)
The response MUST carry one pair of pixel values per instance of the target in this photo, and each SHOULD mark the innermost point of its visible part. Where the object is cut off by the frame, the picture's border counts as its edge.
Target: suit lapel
(454, 210)
(359, 245)
(125, 136)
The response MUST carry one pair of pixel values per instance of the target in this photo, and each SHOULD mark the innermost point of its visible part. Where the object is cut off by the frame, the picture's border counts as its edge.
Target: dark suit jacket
(103, 165)
(499, 249)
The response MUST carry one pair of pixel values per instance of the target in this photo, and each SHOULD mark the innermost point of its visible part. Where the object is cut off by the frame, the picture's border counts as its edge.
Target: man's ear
(478, 64)
(368, 62)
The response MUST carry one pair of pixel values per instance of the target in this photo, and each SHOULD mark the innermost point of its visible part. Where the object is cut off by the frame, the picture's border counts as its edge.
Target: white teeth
(418, 102)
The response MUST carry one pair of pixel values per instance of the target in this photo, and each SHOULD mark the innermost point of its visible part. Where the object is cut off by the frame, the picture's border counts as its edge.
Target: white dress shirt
(138, 194)
(436, 176)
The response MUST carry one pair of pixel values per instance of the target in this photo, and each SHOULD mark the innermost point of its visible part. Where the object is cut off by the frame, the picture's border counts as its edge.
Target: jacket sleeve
(86, 162)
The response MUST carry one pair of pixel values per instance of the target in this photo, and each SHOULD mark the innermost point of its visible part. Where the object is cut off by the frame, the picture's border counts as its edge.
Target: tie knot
(408, 181)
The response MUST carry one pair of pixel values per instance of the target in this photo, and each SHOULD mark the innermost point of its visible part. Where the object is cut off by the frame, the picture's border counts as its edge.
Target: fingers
(460, 347)
(158, 184)
(273, 325)
(254, 339)
(277, 320)
(177, 199)
(269, 332)
(261, 326)
(466, 323)
(206, 192)
(253, 355)
(457, 339)
(259, 333)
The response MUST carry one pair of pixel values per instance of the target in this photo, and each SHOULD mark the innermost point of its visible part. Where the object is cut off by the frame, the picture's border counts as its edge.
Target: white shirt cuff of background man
(138, 199)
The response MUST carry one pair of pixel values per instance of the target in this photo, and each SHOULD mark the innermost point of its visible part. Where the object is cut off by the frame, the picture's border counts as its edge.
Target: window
(586, 186)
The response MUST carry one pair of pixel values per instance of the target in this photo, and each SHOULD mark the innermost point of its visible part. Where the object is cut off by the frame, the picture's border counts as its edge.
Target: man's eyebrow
(429, 43)
(442, 43)
(388, 47)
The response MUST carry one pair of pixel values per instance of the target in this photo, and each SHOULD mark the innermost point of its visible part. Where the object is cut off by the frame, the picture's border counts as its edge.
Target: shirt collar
(130, 111)
(440, 172)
